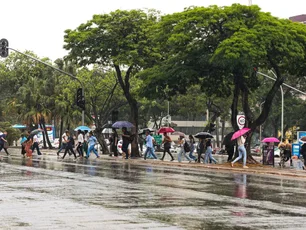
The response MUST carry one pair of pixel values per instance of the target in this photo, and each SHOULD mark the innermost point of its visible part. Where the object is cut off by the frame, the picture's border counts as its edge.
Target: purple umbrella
(121, 124)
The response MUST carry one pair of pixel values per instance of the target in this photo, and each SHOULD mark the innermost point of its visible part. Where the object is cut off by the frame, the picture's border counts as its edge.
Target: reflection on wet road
(98, 194)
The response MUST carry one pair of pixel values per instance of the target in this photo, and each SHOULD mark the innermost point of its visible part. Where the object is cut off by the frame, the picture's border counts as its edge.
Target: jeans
(208, 155)
(181, 153)
(92, 148)
(150, 151)
(80, 149)
(63, 146)
(191, 156)
(35, 146)
(242, 153)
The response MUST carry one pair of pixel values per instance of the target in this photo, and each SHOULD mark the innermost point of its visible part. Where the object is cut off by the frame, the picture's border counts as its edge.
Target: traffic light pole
(59, 70)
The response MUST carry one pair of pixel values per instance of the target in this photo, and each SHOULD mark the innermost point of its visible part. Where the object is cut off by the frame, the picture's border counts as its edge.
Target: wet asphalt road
(48, 193)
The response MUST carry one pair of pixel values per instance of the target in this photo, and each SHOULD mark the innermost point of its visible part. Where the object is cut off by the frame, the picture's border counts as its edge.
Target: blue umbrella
(121, 124)
(18, 126)
(82, 128)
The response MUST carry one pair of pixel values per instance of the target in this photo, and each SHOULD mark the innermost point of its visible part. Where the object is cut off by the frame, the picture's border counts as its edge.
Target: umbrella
(17, 126)
(203, 135)
(303, 139)
(270, 139)
(178, 133)
(143, 131)
(227, 139)
(166, 130)
(82, 128)
(35, 131)
(107, 130)
(240, 133)
(121, 124)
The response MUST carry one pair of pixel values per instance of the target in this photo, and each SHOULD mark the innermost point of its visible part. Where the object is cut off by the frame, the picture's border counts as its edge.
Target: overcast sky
(39, 25)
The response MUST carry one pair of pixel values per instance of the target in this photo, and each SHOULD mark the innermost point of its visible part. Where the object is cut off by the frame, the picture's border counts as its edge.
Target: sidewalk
(223, 167)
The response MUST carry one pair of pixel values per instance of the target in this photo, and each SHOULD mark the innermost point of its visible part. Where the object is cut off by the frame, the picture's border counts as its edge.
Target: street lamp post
(282, 92)
(260, 127)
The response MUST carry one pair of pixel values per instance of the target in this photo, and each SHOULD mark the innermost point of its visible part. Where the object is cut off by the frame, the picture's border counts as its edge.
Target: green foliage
(12, 134)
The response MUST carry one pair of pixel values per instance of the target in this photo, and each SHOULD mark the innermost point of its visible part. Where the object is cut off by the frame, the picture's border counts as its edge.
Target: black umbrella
(203, 135)
(227, 139)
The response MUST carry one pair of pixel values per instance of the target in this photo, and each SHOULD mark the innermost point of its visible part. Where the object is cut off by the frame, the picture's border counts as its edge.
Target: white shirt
(241, 141)
(64, 137)
(80, 138)
(35, 138)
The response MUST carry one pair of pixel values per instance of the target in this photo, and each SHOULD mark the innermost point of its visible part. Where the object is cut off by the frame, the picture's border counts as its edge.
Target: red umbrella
(270, 139)
(165, 130)
(240, 133)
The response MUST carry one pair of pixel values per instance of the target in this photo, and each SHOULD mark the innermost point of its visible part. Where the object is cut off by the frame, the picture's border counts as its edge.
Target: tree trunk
(101, 140)
(222, 129)
(44, 138)
(125, 85)
(217, 132)
(46, 133)
(134, 117)
(61, 132)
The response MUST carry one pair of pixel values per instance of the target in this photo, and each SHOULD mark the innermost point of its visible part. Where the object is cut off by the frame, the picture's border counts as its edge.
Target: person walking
(201, 149)
(167, 146)
(288, 152)
(85, 145)
(92, 140)
(125, 143)
(69, 146)
(183, 149)
(303, 152)
(64, 142)
(114, 143)
(149, 144)
(3, 142)
(79, 147)
(230, 149)
(23, 142)
(282, 148)
(208, 153)
(36, 144)
(242, 152)
(192, 148)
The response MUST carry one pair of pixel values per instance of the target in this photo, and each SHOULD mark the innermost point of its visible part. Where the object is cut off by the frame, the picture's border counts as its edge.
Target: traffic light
(212, 127)
(4, 52)
(80, 99)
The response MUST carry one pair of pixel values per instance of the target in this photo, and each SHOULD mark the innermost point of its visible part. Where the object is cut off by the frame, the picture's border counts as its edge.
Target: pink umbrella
(165, 130)
(270, 139)
(240, 133)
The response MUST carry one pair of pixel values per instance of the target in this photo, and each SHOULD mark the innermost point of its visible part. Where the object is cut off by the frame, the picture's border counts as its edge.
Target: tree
(118, 40)
(218, 48)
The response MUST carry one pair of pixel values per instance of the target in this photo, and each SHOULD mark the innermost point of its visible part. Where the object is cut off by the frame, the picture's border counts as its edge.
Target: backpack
(186, 147)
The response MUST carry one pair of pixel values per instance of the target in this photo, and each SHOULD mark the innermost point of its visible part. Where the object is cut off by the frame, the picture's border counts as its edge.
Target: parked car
(256, 150)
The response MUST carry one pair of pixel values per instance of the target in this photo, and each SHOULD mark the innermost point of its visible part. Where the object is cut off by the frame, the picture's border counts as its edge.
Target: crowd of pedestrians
(85, 142)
